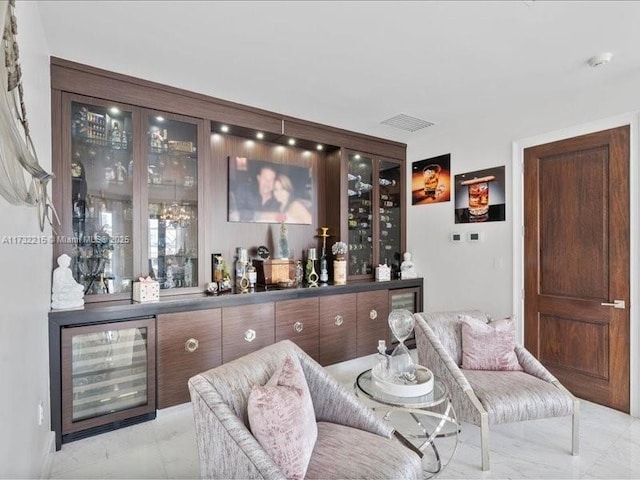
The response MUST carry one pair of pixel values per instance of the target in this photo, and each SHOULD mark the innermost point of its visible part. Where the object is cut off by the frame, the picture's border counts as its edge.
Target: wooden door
(576, 208)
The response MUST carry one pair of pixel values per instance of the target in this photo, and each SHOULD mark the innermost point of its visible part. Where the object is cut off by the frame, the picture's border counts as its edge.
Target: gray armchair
(351, 443)
(486, 398)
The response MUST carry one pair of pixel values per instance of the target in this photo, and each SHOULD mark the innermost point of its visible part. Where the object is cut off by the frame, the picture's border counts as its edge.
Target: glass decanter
(401, 366)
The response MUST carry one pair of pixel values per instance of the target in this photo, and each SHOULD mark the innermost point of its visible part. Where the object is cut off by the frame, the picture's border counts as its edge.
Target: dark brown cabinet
(372, 322)
(246, 328)
(142, 188)
(126, 213)
(298, 321)
(374, 221)
(188, 343)
(337, 328)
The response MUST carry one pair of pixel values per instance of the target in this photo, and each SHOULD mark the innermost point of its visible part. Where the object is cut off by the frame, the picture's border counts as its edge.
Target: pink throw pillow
(489, 346)
(282, 418)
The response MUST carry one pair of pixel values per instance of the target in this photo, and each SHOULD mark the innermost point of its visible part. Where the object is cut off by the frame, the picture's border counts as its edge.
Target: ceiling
(355, 64)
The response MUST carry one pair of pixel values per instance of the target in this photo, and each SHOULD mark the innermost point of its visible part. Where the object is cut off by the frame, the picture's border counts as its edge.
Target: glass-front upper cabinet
(101, 170)
(390, 215)
(360, 215)
(172, 181)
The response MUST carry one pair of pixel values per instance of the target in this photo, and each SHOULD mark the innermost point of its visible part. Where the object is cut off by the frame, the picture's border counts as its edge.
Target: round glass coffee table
(431, 419)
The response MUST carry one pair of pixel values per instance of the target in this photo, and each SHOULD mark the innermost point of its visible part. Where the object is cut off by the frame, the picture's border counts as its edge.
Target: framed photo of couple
(268, 192)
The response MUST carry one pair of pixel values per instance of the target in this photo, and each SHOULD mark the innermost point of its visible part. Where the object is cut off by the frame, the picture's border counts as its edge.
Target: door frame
(518, 146)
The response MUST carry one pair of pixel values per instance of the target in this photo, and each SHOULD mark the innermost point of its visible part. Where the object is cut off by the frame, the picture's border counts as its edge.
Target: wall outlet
(40, 413)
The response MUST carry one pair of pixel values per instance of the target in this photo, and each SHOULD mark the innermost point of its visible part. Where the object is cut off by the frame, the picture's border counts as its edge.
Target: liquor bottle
(241, 264)
(165, 140)
(123, 139)
(116, 137)
(252, 274)
(188, 273)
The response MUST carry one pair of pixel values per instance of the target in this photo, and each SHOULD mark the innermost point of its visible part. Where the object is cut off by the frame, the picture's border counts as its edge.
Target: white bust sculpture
(65, 291)
(407, 269)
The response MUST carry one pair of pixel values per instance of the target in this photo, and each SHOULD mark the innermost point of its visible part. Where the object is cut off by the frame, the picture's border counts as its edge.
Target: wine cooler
(108, 376)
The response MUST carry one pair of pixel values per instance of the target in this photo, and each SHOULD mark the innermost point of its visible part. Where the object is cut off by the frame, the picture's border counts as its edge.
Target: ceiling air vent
(405, 122)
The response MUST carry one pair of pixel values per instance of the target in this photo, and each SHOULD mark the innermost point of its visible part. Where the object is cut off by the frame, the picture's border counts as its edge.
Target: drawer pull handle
(339, 320)
(191, 345)
(250, 335)
(373, 314)
(298, 326)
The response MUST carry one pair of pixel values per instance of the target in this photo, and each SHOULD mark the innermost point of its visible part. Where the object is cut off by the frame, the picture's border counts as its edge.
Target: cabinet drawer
(297, 320)
(373, 321)
(188, 343)
(337, 328)
(245, 329)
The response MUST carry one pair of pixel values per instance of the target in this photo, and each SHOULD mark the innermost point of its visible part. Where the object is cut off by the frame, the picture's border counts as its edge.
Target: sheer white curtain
(22, 180)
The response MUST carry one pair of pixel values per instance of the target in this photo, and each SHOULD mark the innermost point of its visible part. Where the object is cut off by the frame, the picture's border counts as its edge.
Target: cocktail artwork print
(431, 180)
(480, 196)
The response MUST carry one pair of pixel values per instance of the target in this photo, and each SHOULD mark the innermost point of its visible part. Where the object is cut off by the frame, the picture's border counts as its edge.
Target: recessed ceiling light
(114, 110)
(292, 141)
(160, 119)
(319, 147)
(357, 157)
(599, 60)
(224, 128)
(259, 135)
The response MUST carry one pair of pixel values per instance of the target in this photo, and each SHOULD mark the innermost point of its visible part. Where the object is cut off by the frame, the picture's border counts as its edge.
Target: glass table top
(367, 385)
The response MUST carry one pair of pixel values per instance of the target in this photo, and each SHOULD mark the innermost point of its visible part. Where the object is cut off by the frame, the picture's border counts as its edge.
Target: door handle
(616, 304)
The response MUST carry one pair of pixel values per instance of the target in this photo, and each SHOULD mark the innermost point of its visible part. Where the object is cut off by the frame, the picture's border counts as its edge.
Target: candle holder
(324, 269)
(312, 276)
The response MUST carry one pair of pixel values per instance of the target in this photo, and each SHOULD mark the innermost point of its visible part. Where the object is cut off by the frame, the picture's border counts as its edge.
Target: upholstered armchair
(351, 443)
(486, 398)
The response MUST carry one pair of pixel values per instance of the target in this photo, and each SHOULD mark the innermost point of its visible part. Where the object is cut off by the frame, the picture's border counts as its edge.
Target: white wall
(462, 274)
(25, 283)
(480, 275)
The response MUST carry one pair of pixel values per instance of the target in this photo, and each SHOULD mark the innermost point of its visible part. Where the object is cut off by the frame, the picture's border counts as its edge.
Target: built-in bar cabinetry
(143, 188)
(113, 362)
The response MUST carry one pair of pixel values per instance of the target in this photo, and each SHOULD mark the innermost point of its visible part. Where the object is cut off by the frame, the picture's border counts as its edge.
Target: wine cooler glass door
(107, 373)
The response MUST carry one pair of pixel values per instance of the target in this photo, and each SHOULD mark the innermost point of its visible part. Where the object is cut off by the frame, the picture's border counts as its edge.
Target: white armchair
(486, 398)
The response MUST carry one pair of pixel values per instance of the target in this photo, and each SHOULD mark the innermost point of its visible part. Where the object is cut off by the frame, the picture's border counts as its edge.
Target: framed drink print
(480, 196)
(431, 180)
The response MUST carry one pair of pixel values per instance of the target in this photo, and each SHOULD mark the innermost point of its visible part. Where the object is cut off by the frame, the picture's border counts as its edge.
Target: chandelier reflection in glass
(175, 215)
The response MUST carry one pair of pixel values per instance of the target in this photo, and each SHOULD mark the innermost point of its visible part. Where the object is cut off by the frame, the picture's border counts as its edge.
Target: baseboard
(47, 456)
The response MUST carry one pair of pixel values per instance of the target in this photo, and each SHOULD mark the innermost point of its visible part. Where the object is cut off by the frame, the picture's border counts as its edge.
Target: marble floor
(166, 446)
